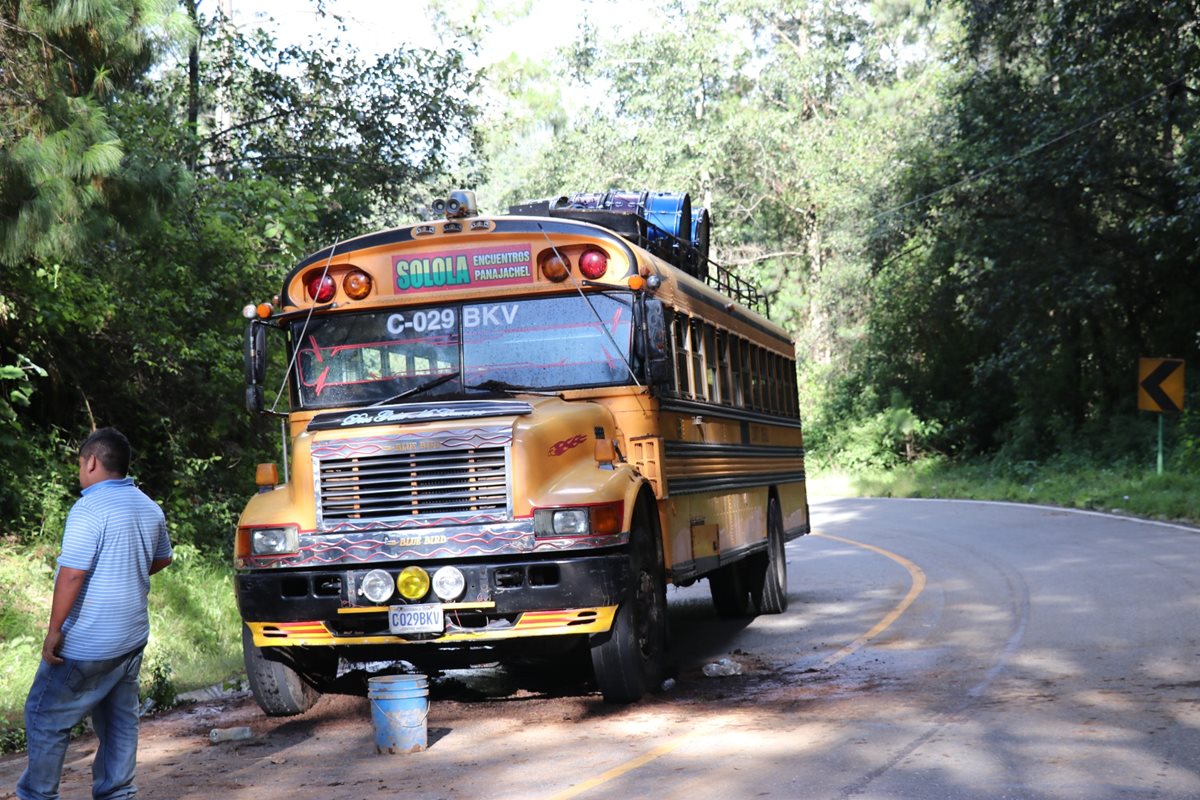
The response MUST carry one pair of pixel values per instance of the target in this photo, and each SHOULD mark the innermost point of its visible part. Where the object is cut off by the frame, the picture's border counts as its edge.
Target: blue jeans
(61, 696)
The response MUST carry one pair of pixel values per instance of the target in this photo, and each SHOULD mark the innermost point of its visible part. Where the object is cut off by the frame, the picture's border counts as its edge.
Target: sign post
(1160, 389)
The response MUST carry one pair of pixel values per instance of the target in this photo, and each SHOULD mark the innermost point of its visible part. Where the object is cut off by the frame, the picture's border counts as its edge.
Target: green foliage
(367, 135)
(194, 621)
(58, 147)
(1046, 232)
(869, 436)
(157, 689)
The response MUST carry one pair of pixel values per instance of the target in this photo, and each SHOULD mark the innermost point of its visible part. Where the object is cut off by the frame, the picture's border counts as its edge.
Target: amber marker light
(607, 519)
(263, 310)
(266, 476)
(637, 282)
(357, 284)
(554, 267)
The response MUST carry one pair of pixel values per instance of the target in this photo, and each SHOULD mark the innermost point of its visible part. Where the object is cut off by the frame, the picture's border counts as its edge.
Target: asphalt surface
(932, 650)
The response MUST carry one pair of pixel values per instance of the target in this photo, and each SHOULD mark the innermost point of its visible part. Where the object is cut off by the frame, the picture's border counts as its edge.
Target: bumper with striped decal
(504, 599)
(525, 624)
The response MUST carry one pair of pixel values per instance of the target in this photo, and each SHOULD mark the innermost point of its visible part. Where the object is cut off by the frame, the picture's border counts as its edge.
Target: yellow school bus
(504, 437)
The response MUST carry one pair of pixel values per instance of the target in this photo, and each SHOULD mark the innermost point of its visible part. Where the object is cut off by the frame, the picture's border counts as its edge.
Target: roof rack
(647, 235)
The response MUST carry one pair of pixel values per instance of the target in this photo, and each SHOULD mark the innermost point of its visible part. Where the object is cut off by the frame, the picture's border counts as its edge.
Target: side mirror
(254, 358)
(657, 342)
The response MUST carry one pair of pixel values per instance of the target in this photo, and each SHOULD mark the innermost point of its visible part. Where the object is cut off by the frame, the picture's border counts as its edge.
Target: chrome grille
(442, 484)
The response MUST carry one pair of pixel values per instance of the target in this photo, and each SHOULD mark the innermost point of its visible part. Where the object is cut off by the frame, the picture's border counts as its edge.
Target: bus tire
(730, 589)
(629, 659)
(278, 689)
(768, 590)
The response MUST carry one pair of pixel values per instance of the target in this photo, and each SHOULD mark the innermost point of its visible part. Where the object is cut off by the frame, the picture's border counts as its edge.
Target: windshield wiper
(505, 386)
(420, 387)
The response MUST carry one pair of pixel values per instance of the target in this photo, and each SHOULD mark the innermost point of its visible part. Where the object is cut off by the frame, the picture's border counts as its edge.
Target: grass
(195, 630)
(1123, 488)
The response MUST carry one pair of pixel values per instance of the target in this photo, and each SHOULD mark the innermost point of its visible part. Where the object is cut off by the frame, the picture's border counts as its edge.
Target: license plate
(416, 619)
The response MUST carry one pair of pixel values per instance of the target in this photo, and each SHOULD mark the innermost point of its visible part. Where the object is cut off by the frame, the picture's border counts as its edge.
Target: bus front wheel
(630, 658)
(278, 690)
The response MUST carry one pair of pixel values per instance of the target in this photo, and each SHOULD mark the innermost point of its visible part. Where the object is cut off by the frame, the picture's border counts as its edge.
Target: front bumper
(505, 599)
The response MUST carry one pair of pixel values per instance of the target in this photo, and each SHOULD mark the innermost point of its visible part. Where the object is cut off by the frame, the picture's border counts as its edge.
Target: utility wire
(1033, 149)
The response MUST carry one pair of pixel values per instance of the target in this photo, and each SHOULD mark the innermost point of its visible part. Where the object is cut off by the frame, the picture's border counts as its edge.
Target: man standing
(115, 539)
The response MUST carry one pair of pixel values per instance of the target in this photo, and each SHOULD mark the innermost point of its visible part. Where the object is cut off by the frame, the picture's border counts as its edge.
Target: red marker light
(593, 264)
(320, 286)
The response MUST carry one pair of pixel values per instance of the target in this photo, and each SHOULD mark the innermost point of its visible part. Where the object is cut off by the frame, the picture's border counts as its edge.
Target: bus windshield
(552, 343)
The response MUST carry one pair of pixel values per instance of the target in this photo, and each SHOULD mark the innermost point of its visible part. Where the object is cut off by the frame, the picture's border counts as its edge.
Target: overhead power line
(1035, 148)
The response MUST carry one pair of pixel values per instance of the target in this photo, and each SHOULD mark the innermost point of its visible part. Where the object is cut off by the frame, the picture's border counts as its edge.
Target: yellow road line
(629, 766)
(914, 590)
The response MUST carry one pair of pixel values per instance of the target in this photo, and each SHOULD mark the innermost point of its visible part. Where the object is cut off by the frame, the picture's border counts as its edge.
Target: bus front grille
(439, 486)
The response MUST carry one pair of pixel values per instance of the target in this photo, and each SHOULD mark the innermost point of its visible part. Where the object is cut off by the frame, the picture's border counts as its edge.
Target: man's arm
(159, 564)
(66, 591)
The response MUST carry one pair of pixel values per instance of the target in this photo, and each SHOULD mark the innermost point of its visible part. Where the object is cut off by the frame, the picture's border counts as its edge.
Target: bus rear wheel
(730, 589)
(629, 660)
(768, 589)
(278, 689)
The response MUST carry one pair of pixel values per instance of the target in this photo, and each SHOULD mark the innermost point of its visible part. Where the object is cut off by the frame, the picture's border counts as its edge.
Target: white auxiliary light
(449, 584)
(377, 586)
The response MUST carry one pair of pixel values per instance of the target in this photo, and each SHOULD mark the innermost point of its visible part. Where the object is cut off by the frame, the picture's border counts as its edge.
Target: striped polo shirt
(113, 532)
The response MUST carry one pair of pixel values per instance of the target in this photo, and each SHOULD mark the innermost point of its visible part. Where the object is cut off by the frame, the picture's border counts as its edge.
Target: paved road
(932, 650)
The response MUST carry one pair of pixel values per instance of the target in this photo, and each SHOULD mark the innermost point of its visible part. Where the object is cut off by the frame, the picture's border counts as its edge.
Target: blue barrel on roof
(623, 202)
(670, 214)
(587, 200)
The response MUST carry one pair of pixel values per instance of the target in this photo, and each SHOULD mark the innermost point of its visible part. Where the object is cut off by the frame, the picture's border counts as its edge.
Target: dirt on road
(485, 740)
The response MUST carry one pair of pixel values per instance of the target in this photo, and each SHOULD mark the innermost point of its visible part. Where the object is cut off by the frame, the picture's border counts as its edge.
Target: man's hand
(51, 646)
(66, 590)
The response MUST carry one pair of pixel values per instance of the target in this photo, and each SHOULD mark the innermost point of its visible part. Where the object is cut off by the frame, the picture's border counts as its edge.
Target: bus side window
(756, 394)
(746, 351)
(781, 373)
(724, 366)
(696, 342)
(735, 371)
(679, 338)
(777, 383)
(710, 364)
(769, 382)
(792, 398)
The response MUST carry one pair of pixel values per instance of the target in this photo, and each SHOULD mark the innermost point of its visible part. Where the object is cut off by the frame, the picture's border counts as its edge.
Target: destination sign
(463, 268)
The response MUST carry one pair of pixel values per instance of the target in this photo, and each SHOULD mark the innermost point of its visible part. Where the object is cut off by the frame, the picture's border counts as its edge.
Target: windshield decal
(490, 266)
(420, 412)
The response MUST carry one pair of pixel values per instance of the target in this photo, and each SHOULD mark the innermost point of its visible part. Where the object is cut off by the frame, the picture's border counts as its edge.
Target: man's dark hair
(111, 449)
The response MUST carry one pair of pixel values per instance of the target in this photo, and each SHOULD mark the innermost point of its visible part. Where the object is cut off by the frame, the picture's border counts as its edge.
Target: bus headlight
(603, 519)
(560, 522)
(449, 584)
(274, 541)
(377, 586)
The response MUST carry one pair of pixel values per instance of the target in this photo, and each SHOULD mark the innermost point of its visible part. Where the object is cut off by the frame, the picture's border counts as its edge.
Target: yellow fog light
(413, 583)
